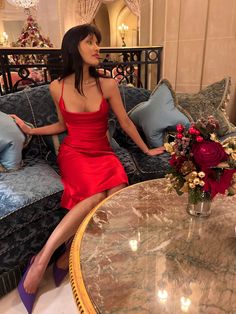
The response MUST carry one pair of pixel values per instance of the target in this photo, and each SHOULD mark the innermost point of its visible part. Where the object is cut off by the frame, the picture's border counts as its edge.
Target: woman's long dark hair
(72, 61)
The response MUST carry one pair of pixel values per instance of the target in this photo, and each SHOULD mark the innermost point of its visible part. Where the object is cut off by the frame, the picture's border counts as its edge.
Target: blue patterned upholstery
(30, 198)
(25, 186)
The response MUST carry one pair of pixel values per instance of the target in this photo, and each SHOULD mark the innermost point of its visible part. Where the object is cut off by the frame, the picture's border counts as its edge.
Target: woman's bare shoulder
(55, 89)
(107, 81)
(55, 84)
(108, 86)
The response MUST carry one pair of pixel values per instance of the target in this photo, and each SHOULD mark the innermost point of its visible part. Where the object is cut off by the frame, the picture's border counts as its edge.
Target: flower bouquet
(201, 165)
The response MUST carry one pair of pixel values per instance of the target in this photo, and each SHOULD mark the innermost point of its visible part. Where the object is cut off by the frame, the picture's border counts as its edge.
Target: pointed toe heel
(59, 274)
(27, 299)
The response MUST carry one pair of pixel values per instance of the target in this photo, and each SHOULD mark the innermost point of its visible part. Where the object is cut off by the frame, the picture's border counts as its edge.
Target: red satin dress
(87, 163)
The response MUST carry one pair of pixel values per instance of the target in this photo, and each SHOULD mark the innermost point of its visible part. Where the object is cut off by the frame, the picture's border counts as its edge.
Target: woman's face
(89, 50)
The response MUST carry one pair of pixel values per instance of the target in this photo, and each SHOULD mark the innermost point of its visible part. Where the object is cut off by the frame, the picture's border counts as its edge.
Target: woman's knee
(116, 188)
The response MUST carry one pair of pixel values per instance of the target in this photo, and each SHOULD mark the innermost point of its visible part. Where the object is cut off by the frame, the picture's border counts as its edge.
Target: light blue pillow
(159, 114)
(11, 143)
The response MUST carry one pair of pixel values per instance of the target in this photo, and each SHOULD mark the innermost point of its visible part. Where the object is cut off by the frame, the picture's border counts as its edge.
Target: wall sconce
(123, 29)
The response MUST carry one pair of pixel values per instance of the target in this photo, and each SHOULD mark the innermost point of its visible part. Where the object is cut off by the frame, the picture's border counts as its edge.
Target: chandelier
(26, 4)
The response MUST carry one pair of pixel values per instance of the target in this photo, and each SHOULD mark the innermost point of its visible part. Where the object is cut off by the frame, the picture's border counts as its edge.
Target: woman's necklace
(88, 82)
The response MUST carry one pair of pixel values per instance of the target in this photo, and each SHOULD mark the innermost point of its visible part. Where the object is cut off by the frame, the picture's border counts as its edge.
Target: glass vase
(200, 206)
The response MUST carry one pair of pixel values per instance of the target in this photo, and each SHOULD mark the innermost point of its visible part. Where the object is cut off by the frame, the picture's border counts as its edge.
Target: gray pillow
(210, 101)
(11, 143)
(160, 113)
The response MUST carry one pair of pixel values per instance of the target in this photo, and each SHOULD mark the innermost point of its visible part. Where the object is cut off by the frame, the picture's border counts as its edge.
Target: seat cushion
(29, 212)
(33, 183)
(151, 167)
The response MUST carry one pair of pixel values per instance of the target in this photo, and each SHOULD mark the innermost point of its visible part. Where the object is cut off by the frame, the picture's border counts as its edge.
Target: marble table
(140, 252)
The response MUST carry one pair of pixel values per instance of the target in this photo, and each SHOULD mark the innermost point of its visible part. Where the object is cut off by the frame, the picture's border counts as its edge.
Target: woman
(82, 98)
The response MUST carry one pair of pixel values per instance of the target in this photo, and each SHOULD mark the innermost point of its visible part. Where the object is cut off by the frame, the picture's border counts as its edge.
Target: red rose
(220, 185)
(208, 154)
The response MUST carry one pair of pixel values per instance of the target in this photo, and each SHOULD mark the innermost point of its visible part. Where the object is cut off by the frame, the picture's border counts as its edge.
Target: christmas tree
(31, 37)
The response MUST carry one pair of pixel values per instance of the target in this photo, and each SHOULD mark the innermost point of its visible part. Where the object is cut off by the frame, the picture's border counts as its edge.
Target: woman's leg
(63, 260)
(63, 232)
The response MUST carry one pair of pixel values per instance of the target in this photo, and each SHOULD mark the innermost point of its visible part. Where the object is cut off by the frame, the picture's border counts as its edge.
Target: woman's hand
(156, 151)
(24, 127)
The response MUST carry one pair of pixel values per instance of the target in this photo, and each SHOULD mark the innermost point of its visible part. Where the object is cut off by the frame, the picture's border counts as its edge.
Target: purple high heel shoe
(26, 298)
(59, 274)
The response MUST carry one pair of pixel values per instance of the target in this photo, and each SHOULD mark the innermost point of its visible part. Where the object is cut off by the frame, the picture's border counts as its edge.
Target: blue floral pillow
(12, 141)
(159, 114)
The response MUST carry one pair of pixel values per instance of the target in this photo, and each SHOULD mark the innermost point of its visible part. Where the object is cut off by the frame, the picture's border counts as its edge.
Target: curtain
(133, 5)
(86, 9)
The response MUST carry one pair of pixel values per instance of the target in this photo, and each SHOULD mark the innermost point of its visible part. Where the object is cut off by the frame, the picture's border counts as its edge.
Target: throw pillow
(131, 96)
(12, 141)
(211, 100)
(160, 113)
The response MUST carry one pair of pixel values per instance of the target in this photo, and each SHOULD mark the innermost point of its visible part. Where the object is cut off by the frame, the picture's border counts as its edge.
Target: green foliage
(197, 195)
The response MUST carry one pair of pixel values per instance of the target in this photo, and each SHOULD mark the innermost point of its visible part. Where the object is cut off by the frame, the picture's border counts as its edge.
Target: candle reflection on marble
(139, 236)
(134, 245)
(195, 229)
(162, 295)
(185, 304)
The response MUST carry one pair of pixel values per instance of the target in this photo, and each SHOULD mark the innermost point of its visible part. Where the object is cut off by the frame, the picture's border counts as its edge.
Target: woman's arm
(54, 128)
(111, 90)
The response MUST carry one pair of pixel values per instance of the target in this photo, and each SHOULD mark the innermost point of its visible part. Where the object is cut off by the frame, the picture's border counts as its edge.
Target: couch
(30, 197)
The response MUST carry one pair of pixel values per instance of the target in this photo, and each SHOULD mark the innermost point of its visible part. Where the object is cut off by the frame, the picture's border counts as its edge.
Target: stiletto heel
(26, 298)
(59, 274)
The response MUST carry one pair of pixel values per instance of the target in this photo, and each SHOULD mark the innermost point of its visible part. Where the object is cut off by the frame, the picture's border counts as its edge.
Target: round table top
(139, 251)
